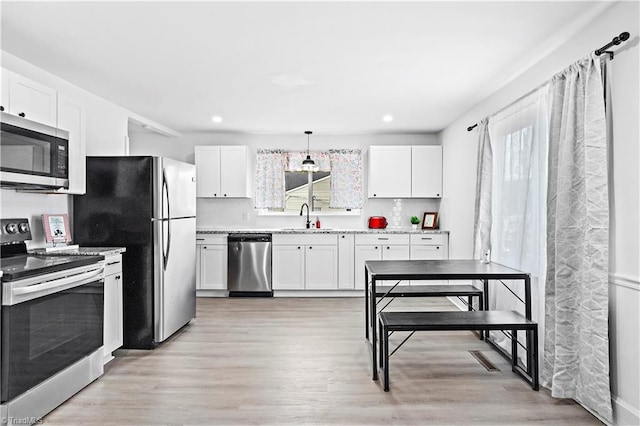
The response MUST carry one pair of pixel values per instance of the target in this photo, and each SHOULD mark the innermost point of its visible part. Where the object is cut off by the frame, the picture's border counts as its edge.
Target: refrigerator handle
(165, 187)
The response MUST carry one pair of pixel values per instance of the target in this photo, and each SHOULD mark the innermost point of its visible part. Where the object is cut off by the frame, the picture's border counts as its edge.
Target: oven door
(48, 326)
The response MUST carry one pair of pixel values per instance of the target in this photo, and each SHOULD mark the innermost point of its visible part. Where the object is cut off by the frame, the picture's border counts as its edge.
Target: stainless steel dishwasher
(249, 265)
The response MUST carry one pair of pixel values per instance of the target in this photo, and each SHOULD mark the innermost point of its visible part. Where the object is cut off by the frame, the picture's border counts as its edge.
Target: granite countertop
(84, 251)
(320, 231)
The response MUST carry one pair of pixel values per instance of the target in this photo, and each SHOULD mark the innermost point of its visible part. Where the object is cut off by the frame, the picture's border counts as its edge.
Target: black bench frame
(462, 320)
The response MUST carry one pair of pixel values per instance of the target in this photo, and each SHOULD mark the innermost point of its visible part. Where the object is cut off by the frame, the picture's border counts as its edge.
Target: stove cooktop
(30, 265)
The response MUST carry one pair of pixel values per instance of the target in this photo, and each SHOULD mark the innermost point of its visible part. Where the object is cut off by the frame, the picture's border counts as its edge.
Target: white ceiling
(285, 67)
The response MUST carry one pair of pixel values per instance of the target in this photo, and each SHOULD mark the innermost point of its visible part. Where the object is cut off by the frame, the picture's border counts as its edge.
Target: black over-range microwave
(32, 155)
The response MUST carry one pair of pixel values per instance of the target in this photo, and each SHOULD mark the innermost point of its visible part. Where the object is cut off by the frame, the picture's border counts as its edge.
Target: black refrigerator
(147, 205)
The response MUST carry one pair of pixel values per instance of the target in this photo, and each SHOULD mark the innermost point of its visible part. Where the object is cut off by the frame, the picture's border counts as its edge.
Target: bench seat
(461, 320)
(427, 290)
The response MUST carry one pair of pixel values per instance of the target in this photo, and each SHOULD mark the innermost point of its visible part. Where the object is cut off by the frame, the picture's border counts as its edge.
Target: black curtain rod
(624, 36)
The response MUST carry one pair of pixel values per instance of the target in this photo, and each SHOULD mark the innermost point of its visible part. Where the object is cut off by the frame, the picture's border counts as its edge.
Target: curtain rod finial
(470, 128)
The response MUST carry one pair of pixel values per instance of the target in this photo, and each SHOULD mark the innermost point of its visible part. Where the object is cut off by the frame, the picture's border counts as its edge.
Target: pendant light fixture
(308, 164)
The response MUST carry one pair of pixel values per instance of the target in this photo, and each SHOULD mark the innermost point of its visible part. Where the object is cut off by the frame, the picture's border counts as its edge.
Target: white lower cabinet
(346, 261)
(429, 247)
(302, 261)
(113, 312)
(288, 272)
(211, 262)
(378, 247)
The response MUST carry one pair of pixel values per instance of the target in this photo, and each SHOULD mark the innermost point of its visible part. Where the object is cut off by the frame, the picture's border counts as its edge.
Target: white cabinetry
(405, 171)
(211, 262)
(21, 96)
(222, 171)
(429, 247)
(28, 99)
(378, 247)
(71, 118)
(113, 312)
(346, 261)
(426, 171)
(302, 261)
(389, 171)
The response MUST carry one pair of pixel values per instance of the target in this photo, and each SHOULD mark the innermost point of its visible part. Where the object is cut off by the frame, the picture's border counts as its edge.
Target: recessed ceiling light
(216, 119)
(387, 118)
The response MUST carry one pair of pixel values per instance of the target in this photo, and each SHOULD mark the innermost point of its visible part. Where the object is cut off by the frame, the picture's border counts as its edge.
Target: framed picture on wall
(430, 220)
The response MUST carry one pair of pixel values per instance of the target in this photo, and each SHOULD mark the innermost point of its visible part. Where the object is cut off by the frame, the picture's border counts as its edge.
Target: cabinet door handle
(225, 195)
(215, 195)
(342, 236)
(22, 114)
(199, 239)
(383, 238)
(113, 263)
(438, 195)
(388, 247)
(1, 108)
(310, 248)
(298, 247)
(375, 195)
(204, 247)
(118, 277)
(376, 247)
(438, 248)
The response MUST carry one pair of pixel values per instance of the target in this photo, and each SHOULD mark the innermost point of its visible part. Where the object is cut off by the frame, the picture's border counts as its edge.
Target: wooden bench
(451, 290)
(462, 320)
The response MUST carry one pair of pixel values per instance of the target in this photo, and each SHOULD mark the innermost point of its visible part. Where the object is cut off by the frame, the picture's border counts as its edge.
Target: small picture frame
(430, 220)
(56, 228)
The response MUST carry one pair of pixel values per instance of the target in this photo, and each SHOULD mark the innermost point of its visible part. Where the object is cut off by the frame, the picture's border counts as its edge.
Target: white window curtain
(576, 350)
(518, 138)
(345, 166)
(269, 179)
(346, 179)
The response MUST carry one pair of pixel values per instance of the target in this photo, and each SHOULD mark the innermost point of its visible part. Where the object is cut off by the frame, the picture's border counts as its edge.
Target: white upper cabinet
(405, 171)
(29, 99)
(71, 118)
(389, 171)
(222, 171)
(426, 171)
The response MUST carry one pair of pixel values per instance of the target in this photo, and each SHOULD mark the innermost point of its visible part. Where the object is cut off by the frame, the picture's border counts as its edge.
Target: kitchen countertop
(321, 231)
(84, 251)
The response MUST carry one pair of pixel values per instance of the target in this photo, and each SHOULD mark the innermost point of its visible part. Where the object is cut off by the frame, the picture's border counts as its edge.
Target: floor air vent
(484, 361)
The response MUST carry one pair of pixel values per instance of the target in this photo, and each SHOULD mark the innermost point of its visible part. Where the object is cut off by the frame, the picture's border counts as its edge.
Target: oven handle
(59, 284)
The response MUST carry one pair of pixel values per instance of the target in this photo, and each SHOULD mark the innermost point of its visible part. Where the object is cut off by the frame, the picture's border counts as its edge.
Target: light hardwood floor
(304, 361)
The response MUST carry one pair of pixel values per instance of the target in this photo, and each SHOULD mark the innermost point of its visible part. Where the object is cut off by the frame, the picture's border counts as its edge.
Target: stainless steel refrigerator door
(175, 189)
(175, 275)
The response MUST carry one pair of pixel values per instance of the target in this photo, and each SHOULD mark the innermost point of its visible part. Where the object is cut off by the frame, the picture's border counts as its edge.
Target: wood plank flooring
(304, 361)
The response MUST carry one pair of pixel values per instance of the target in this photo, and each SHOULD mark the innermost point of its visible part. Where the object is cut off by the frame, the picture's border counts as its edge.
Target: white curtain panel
(519, 136)
(269, 179)
(346, 179)
(484, 181)
(576, 350)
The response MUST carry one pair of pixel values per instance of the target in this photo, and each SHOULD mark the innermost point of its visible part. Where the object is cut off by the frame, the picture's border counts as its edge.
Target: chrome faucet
(302, 208)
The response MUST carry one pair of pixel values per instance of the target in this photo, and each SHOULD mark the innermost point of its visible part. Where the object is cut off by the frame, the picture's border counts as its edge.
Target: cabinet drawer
(390, 239)
(113, 265)
(305, 239)
(428, 239)
(211, 238)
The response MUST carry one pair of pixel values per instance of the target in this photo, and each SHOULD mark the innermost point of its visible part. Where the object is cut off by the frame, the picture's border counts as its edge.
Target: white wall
(459, 185)
(106, 125)
(239, 213)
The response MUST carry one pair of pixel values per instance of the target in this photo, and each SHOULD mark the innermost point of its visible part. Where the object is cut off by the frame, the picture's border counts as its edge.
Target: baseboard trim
(318, 293)
(624, 413)
(625, 281)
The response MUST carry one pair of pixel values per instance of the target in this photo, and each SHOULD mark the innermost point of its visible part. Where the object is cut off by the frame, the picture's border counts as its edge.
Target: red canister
(377, 222)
